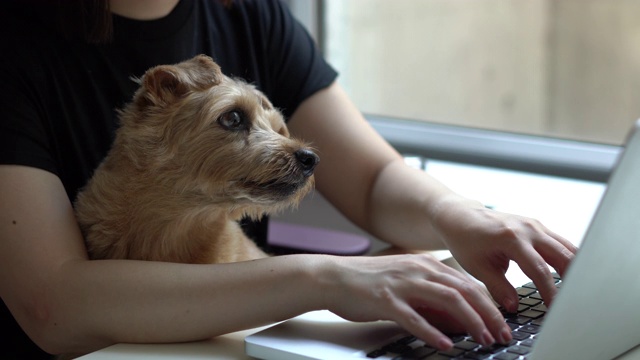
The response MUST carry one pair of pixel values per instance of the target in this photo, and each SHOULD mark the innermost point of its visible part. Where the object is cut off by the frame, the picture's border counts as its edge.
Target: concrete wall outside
(565, 68)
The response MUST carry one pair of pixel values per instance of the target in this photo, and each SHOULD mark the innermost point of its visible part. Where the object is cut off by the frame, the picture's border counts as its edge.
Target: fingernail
(487, 339)
(444, 343)
(509, 305)
(505, 335)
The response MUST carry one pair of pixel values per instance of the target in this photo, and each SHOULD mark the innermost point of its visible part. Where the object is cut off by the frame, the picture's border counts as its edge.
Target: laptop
(594, 316)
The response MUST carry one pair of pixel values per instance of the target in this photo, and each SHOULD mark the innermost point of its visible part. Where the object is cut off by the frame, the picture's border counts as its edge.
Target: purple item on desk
(316, 240)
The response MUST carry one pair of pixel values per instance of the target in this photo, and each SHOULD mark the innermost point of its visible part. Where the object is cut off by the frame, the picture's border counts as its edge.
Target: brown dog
(195, 152)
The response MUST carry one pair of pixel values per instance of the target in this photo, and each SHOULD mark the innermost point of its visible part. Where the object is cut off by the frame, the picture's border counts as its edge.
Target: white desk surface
(226, 347)
(563, 205)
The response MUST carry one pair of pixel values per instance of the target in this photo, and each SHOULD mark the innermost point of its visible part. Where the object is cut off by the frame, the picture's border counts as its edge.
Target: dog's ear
(204, 72)
(166, 83)
(163, 84)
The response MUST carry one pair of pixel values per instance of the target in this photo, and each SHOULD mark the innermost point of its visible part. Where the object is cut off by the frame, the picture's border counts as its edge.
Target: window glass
(561, 68)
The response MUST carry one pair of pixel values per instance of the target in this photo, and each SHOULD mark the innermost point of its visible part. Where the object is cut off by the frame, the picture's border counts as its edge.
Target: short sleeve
(23, 137)
(295, 63)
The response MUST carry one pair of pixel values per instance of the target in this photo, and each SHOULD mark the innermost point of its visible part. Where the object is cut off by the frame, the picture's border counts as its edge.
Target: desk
(564, 205)
(226, 347)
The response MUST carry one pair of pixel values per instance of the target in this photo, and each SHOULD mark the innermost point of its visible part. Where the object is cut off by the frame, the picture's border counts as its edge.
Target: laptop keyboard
(525, 325)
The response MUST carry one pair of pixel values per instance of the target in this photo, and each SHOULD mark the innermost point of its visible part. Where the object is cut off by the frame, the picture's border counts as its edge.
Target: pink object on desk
(316, 240)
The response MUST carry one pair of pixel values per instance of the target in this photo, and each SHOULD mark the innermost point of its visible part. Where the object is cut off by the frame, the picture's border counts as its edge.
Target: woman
(63, 75)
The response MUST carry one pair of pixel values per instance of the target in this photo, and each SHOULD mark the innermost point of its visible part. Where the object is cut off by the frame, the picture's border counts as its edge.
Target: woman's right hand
(418, 292)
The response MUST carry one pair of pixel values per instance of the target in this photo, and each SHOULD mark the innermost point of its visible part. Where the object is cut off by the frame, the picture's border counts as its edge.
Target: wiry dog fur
(195, 152)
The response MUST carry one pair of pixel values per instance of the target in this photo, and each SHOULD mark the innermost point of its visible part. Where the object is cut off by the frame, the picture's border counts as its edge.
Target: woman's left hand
(484, 242)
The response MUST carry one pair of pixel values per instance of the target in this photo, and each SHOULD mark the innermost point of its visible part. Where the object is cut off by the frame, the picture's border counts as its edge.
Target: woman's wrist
(448, 213)
(315, 278)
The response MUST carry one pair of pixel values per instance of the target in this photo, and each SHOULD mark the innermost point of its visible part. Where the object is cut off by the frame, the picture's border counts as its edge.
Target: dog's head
(202, 134)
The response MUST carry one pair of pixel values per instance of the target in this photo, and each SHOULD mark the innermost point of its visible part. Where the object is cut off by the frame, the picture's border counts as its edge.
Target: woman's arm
(69, 304)
(357, 171)
(368, 181)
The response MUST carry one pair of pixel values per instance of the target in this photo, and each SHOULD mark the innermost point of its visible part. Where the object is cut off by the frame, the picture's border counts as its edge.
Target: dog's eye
(233, 120)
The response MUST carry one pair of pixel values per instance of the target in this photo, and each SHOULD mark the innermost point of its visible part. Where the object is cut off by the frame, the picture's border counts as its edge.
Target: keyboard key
(541, 307)
(376, 353)
(520, 320)
(396, 348)
(513, 326)
(531, 329)
(517, 335)
(528, 342)
(456, 338)
(407, 340)
(537, 322)
(524, 292)
(466, 345)
(438, 357)
(512, 342)
(472, 355)
(417, 353)
(530, 285)
(491, 349)
(452, 352)
(532, 314)
(536, 296)
(530, 301)
(506, 356)
(518, 349)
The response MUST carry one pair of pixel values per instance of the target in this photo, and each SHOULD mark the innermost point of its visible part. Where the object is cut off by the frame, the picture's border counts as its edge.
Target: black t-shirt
(58, 97)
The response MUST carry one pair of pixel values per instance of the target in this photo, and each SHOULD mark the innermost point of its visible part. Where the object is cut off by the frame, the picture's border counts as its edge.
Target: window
(560, 68)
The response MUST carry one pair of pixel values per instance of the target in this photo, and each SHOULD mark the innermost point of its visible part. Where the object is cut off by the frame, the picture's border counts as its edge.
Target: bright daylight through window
(560, 68)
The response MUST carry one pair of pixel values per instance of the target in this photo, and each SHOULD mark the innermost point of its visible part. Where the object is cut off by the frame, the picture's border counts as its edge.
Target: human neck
(142, 9)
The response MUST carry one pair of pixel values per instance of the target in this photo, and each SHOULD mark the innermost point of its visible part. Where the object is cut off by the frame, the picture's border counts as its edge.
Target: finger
(568, 244)
(556, 254)
(479, 299)
(505, 295)
(503, 292)
(442, 321)
(492, 275)
(534, 266)
(450, 300)
(417, 325)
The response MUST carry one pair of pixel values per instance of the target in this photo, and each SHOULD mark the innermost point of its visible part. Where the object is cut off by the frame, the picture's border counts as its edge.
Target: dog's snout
(307, 160)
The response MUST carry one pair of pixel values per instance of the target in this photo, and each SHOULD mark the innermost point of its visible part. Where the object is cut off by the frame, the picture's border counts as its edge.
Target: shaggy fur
(196, 151)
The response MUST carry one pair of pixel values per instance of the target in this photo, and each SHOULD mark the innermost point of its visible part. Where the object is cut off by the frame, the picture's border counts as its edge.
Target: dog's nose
(307, 160)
